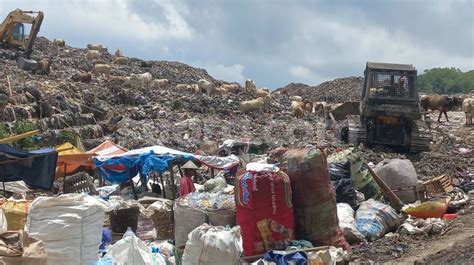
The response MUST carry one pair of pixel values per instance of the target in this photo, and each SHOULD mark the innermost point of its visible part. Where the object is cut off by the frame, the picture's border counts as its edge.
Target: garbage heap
(297, 205)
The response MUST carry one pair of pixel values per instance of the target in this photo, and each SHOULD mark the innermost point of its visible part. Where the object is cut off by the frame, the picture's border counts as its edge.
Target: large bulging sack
(264, 211)
(398, 173)
(314, 198)
(69, 225)
(362, 180)
(209, 245)
(195, 209)
(17, 248)
(374, 219)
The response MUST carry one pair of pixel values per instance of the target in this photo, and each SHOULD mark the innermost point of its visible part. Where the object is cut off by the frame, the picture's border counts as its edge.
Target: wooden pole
(173, 186)
(3, 181)
(132, 185)
(64, 178)
(162, 186)
(9, 86)
(18, 137)
(392, 197)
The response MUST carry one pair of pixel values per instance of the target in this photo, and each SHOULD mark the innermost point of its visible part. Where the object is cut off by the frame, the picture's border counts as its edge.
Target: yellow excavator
(12, 31)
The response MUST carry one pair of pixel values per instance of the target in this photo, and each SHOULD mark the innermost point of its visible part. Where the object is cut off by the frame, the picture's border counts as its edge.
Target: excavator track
(357, 131)
(420, 137)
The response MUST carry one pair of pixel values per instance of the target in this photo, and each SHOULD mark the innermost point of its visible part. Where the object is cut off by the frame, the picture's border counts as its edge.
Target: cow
(441, 103)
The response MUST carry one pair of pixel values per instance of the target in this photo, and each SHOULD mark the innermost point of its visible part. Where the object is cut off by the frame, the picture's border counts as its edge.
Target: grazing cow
(468, 108)
(441, 103)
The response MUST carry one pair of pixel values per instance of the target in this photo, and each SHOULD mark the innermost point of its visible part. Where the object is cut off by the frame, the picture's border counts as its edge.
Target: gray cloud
(272, 42)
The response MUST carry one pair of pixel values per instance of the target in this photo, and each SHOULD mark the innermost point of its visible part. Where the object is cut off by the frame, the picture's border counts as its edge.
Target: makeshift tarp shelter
(108, 148)
(166, 153)
(70, 158)
(35, 168)
(122, 167)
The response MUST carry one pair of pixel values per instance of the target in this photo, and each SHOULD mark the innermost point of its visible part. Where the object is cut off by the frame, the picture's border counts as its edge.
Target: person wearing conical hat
(186, 184)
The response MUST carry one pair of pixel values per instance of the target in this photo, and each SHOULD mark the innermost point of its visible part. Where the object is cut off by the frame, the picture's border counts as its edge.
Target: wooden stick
(18, 137)
(392, 197)
(173, 186)
(132, 184)
(162, 186)
(9, 85)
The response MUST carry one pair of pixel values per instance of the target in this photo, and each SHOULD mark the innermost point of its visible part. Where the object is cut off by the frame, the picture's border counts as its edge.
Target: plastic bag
(374, 219)
(213, 245)
(347, 223)
(16, 212)
(360, 175)
(340, 174)
(430, 209)
(430, 226)
(131, 250)
(3, 222)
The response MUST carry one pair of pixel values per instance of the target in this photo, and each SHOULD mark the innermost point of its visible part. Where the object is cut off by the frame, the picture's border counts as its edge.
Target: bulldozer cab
(385, 82)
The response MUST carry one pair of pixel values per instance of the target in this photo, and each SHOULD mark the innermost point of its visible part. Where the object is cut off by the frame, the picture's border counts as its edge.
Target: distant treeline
(445, 81)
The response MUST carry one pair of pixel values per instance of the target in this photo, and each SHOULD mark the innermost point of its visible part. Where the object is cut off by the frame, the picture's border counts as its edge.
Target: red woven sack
(264, 211)
(314, 199)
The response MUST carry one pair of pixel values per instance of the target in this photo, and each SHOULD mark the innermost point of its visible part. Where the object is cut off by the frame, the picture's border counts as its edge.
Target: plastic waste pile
(208, 201)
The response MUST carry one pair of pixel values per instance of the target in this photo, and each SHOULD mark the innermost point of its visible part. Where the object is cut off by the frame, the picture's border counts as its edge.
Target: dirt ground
(455, 244)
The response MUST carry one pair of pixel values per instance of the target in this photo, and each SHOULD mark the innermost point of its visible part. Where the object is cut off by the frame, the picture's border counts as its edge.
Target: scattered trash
(425, 210)
(430, 226)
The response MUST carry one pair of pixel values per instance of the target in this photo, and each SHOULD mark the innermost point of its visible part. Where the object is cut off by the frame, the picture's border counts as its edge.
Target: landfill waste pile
(137, 116)
(115, 160)
(335, 91)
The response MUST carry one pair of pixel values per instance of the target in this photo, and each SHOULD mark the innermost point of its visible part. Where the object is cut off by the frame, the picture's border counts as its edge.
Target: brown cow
(441, 103)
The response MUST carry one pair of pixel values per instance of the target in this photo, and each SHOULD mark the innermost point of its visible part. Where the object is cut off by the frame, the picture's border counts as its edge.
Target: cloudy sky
(273, 42)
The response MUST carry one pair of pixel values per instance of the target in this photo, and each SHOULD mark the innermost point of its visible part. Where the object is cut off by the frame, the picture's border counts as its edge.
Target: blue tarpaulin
(36, 168)
(115, 170)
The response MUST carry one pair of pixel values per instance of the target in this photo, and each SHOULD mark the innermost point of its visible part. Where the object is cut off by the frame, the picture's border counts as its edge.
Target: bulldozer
(12, 35)
(389, 111)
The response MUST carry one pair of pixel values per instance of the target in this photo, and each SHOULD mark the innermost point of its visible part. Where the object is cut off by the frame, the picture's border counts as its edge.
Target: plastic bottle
(156, 256)
(128, 234)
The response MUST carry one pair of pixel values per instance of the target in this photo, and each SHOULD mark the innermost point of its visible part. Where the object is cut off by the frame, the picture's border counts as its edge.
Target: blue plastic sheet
(283, 258)
(117, 170)
(36, 168)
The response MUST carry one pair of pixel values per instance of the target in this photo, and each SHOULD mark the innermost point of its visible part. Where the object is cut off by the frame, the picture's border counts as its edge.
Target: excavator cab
(19, 32)
(12, 30)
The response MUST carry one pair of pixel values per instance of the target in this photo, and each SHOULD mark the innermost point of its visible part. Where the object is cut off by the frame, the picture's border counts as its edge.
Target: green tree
(445, 81)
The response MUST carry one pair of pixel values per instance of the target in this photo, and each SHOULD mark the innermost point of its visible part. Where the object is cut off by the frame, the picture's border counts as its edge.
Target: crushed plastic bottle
(128, 234)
